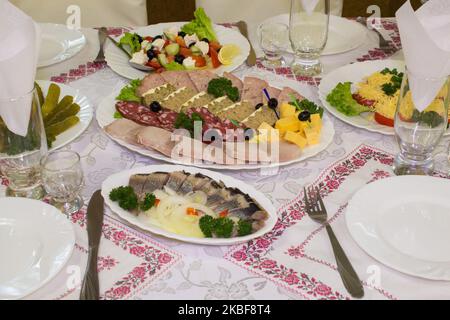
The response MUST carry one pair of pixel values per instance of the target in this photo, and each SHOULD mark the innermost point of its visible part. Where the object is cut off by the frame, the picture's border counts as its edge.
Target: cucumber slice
(196, 51)
(162, 59)
(173, 49)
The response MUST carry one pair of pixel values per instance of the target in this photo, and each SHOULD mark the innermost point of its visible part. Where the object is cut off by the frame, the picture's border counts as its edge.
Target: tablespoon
(140, 66)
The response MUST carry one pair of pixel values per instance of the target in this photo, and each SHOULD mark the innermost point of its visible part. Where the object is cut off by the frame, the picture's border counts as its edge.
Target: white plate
(122, 179)
(105, 116)
(344, 35)
(355, 73)
(118, 61)
(36, 241)
(404, 222)
(86, 113)
(58, 43)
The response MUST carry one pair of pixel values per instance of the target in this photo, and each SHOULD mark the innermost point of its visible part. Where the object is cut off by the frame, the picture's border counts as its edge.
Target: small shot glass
(273, 39)
(62, 177)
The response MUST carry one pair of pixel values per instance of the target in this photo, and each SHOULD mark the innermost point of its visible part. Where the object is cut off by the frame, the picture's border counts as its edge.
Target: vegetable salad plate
(190, 204)
(344, 35)
(409, 230)
(58, 43)
(356, 73)
(129, 134)
(119, 61)
(85, 113)
(36, 241)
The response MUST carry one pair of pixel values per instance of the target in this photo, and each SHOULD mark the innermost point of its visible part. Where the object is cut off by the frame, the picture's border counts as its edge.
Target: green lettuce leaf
(201, 26)
(341, 98)
(131, 40)
(128, 93)
(173, 66)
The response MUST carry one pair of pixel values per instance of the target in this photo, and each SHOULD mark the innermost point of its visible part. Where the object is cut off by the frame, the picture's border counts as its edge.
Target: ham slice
(153, 80)
(285, 95)
(253, 90)
(201, 79)
(273, 92)
(179, 79)
(235, 81)
(125, 130)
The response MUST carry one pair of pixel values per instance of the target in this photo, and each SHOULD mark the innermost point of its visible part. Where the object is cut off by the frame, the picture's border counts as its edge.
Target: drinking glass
(273, 37)
(308, 33)
(20, 155)
(62, 177)
(418, 133)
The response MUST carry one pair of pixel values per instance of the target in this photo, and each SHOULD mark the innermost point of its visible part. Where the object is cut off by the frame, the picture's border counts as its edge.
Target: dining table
(293, 261)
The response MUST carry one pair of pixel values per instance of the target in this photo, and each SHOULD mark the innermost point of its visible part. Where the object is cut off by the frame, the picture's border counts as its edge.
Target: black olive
(139, 38)
(249, 134)
(273, 103)
(157, 37)
(179, 59)
(150, 54)
(182, 34)
(259, 106)
(155, 106)
(192, 44)
(206, 40)
(304, 116)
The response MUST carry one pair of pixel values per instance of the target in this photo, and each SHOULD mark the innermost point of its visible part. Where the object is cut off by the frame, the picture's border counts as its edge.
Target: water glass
(273, 37)
(418, 132)
(308, 33)
(62, 177)
(20, 155)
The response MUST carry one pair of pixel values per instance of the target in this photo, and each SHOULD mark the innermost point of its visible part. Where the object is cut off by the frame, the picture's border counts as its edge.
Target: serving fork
(102, 35)
(316, 210)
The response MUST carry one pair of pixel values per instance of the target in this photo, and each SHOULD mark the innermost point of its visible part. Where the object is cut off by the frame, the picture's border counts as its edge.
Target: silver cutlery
(316, 210)
(90, 287)
(243, 29)
(384, 45)
(102, 35)
(140, 66)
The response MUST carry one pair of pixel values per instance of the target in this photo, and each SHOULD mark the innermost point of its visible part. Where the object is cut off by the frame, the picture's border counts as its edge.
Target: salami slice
(167, 119)
(135, 112)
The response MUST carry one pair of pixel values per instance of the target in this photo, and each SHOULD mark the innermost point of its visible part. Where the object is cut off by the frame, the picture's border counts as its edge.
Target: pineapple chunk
(316, 121)
(312, 136)
(288, 124)
(287, 110)
(296, 138)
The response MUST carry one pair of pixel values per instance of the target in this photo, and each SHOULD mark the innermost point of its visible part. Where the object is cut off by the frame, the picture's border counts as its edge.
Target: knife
(243, 29)
(90, 287)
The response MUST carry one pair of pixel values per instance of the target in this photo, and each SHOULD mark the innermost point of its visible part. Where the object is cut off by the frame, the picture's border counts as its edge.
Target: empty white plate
(344, 35)
(36, 241)
(58, 43)
(404, 222)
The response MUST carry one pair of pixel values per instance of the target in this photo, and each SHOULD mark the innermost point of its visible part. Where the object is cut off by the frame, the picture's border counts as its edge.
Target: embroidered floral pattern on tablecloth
(253, 255)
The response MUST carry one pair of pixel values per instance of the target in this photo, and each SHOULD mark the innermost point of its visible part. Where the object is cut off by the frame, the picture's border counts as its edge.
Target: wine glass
(62, 177)
(419, 132)
(308, 33)
(273, 38)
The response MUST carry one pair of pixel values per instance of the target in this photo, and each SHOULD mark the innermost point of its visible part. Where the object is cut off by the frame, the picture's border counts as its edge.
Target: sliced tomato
(185, 52)
(215, 45)
(170, 58)
(224, 214)
(166, 43)
(383, 120)
(200, 62)
(214, 57)
(180, 41)
(154, 64)
(157, 201)
(149, 39)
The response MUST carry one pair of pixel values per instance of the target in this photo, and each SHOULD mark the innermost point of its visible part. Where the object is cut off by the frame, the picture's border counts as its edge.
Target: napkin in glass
(425, 36)
(18, 60)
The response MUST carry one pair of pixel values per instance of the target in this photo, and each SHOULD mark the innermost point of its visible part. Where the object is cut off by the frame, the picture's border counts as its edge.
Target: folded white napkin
(18, 59)
(309, 5)
(425, 36)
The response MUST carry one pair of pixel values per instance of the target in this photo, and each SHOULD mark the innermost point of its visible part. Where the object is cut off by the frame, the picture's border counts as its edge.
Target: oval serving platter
(122, 179)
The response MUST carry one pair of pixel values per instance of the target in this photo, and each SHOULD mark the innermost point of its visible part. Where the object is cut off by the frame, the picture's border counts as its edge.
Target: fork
(383, 43)
(102, 35)
(317, 212)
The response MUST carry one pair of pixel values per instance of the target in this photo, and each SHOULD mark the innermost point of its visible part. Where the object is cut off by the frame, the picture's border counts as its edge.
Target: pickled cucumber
(39, 93)
(56, 129)
(65, 103)
(51, 100)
